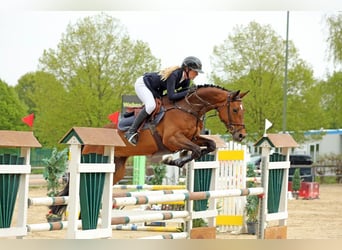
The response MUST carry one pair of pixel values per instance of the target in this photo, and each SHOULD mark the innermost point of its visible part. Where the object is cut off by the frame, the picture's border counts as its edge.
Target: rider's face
(192, 74)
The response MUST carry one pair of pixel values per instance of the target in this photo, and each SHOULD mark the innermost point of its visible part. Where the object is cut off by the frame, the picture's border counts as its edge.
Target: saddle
(131, 112)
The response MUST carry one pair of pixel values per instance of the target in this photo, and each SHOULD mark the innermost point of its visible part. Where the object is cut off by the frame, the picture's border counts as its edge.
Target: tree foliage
(331, 101)
(334, 39)
(11, 109)
(82, 81)
(47, 98)
(296, 180)
(253, 58)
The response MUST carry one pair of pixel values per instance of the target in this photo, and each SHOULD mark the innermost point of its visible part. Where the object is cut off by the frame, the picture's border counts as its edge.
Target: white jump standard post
(77, 137)
(13, 173)
(279, 167)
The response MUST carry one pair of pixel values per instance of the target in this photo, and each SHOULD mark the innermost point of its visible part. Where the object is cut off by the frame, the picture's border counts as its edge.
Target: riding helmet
(193, 63)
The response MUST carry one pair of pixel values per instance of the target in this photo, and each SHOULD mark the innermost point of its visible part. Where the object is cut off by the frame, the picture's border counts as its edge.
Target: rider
(152, 85)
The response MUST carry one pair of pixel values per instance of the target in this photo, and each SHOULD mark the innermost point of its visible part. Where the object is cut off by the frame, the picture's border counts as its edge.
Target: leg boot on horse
(132, 135)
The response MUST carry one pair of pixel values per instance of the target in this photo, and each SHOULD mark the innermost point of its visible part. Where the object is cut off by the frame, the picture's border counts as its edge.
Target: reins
(198, 109)
(230, 125)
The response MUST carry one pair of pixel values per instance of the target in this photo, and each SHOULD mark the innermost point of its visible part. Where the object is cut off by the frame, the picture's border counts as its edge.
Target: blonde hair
(165, 73)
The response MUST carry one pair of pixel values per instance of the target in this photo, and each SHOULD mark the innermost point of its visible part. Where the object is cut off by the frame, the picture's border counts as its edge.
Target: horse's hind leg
(120, 169)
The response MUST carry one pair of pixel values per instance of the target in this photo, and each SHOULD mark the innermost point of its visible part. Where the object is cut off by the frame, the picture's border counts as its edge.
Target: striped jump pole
(60, 225)
(140, 200)
(173, 236)
(149, 193)
(48, 201)
(63, 200)
(149, 187)
(50, 226)
(149, 217)
(134, 227)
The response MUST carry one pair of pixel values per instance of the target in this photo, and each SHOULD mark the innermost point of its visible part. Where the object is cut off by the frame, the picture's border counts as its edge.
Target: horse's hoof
(168, 160)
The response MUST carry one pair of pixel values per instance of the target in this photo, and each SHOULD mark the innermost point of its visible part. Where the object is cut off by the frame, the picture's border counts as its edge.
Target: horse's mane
(195, 87)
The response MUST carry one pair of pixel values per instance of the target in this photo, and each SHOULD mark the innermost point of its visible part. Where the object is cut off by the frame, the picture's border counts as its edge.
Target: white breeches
(145, 95)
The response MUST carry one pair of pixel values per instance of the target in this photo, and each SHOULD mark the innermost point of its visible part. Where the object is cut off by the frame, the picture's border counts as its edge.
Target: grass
(37, 170)
(326, 179)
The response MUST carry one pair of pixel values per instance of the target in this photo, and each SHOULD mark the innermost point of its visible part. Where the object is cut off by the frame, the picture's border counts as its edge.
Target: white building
(329, 143)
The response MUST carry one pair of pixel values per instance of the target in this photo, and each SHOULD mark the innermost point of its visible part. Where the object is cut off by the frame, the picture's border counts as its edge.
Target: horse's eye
(235, 110)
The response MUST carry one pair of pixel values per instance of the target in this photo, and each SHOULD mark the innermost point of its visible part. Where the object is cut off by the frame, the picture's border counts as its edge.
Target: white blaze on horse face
(241, 107)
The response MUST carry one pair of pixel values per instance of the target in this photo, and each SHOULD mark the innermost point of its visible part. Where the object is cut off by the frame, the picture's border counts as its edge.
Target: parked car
(302, 162)
(296, 161)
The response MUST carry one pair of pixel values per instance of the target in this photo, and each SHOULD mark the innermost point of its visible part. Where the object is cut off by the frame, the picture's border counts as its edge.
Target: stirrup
(132, 138)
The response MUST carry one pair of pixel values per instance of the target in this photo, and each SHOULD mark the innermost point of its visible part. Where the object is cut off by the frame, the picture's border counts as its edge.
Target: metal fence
(36, 157)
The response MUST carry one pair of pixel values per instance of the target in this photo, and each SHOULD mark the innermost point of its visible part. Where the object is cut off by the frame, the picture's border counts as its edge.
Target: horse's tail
(60, 209)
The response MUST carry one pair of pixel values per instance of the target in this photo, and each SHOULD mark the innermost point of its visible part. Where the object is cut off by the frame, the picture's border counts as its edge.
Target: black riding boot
(132, 135)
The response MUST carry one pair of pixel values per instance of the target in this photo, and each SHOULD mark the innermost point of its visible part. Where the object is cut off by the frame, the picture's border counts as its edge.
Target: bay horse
(180, 127)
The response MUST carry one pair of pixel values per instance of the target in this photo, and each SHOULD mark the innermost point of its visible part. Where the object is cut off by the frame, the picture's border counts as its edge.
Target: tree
(11, 109)
(334, 39)
(331, 101)
(296, 182)
(47, 98)
(25, 90)
(82, 81)
(253, 58)
(97, 63)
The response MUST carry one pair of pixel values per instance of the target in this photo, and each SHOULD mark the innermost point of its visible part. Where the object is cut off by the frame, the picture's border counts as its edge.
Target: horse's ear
(235, 94)
(243, 94)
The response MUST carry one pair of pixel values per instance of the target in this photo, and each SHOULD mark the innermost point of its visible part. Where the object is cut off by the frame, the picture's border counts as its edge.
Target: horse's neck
(207, 98)
(199, 101)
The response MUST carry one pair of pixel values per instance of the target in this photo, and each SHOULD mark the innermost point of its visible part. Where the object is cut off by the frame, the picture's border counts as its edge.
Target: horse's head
(231, 114)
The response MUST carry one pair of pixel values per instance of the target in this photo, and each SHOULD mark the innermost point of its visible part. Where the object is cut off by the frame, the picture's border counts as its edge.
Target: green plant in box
(252, 203)
(252, 207)
(55, 168)
(296, 182)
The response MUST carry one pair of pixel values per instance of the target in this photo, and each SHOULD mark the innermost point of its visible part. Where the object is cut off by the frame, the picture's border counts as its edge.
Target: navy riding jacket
(175, 89)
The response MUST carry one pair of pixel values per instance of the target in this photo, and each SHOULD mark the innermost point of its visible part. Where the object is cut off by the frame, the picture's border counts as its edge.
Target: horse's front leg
(182, 144)
(195, 148)
(209, 145)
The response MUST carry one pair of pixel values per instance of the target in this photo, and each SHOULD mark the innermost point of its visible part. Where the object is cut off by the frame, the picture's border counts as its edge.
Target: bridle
(231, 126)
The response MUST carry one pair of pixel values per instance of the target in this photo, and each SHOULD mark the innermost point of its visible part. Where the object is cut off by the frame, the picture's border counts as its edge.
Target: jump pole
(140, 200)
(64, 200)
(149, 187)
(116, 221)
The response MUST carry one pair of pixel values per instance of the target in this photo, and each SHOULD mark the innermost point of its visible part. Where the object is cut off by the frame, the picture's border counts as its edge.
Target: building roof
(278, 141)
(324, 131)
(10, 138)
(94, 136)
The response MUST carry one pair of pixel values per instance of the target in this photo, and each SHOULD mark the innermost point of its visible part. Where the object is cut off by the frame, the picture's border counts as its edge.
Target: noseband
(231, 125)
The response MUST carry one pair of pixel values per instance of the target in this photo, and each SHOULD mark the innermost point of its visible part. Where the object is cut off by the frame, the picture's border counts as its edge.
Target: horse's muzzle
(238, 136)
